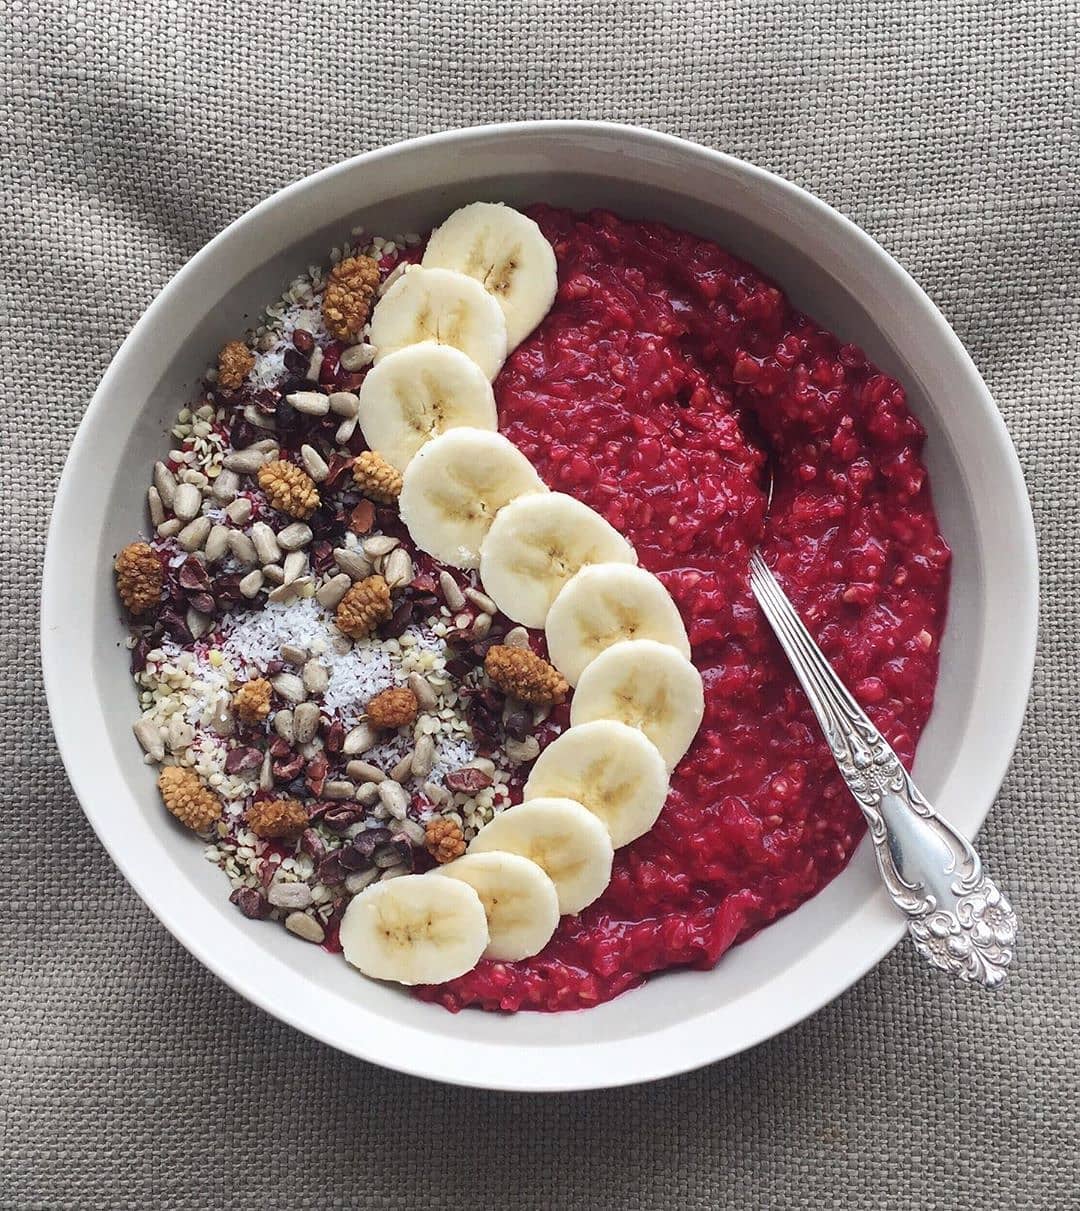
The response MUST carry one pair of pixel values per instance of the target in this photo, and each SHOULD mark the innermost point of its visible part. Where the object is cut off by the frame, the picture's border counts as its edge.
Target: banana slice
(445, 308)
(415, 930)
(455, 485)
(521, 903)
(507, 253)
(419, 392)
(535, 545)
(612, 769)
(564, 839)
(606, 602)
(647, 685)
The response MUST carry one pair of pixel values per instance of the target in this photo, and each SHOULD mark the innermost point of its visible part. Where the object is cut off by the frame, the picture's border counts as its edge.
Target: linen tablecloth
(132, 132)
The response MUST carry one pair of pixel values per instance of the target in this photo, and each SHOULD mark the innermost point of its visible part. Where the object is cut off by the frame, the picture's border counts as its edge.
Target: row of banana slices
(473, 501)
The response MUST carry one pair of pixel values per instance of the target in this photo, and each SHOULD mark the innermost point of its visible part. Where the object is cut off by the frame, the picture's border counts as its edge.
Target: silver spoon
(958, 919)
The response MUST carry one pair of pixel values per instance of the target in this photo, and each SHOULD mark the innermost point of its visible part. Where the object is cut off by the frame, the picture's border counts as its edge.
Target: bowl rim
(613, 1063)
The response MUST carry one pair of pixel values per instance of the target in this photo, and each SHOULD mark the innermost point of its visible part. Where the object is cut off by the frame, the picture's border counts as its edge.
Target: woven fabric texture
(131, 133)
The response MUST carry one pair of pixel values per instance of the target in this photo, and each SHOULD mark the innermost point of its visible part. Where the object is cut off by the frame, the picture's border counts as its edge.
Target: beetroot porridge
(335, 708)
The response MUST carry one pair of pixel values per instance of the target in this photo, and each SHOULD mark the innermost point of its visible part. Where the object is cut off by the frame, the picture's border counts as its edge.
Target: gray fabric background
(129, 1077)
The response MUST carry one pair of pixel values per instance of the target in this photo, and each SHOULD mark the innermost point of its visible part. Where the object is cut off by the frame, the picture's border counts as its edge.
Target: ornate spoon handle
(959, 920)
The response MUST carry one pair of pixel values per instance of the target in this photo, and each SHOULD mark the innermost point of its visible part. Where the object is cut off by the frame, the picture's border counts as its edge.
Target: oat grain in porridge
(327, 644)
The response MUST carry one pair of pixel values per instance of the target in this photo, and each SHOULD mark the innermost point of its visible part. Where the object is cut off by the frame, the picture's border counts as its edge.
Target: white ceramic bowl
(831, 269)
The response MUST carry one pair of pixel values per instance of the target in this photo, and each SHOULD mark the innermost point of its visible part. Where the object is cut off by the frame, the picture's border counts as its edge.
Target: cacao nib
(273, 667)
(398, 622)
(287, 769)
(518, 725)
(322, 556)
(352, 859)
(393, 853)
(362, 518)
(251, 902)
(139, 653)
(468, 780)
(303, 340)
(337, 465)
(356, 443)
(266, 402)
(176, 626)
(328, 372)
(203, 602)
(315, 774)
(295, 361)
(241, 434)
(280, 747)
(330, 871)
(338, 819)
(243, 757)
(227, 588)
(334, 739)
(193, 575)
(313, 845)
(423, 582)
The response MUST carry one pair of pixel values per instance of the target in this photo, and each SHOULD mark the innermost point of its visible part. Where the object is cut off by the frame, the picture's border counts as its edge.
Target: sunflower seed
(480, 627)
(217, 543)
(244, 462)
(516, 637)
(187, 501)
(364, 771)
(284, 593)
(258, 419)
(435, 794)
(225, 489)
(330, 593)
(355, 566)
(266, 543)
(304, 927)
(239, 511)
(315, 365)
(290, 895)
(295, 565)
(423, 758)
(273, 573)
(165, 482)
(283, 724)
(222, 720)
(267, 445)
(345, 430)
(409, 829)
(251, 584)
(314, 463)
(359, 740)
(398, 570)
(393, 872)
(289, 687)
(293, 653)
(402, 772)
(345, 403)
(355, 883)
(305, 720)
(198, 624)
(155, 507)
(393, 797)
(520, 751)
(482, 601)
(266, 773)
(170, 528)
(426, 698)
(149, 736)
(316, 677)
(367, 794)
(242, 548)
(356, 357)
(339, 789)
(194, 534)
(452, 595)
(379, 544)
(311, 403)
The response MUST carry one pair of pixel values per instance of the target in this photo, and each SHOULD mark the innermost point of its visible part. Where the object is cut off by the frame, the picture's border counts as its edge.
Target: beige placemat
(132, 132)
